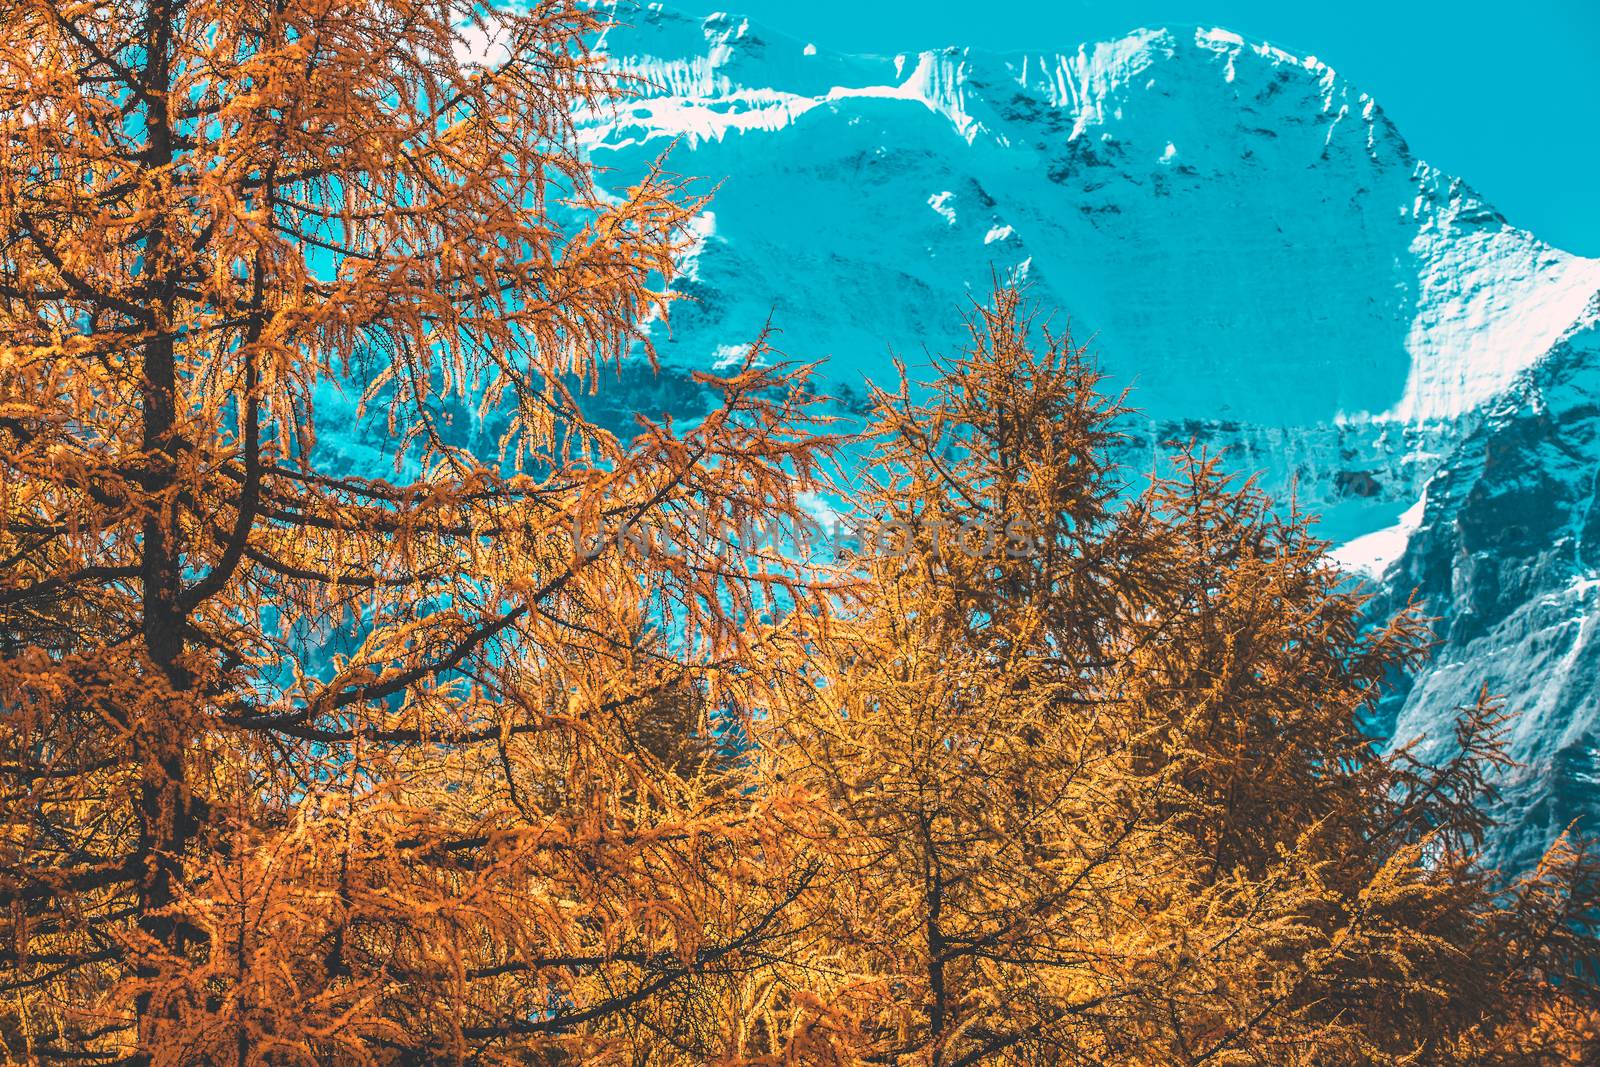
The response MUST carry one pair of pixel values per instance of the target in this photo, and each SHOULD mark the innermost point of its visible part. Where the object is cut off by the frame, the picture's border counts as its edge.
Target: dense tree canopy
(306, 757)
(1096, 795)
(373, 754)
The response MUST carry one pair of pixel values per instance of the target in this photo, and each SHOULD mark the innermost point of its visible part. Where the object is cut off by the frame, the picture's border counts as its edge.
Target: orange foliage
(1096, 795)
(300, 764)
(304, 765)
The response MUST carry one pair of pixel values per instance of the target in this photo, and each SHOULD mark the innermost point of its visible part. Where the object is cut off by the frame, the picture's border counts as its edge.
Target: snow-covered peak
(1250, 244)
(1244, 232)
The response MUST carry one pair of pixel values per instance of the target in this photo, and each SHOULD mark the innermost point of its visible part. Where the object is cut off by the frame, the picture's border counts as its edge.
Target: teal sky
(1503, 94)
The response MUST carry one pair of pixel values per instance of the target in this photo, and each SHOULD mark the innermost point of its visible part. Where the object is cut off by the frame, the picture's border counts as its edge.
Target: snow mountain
(1248, 243)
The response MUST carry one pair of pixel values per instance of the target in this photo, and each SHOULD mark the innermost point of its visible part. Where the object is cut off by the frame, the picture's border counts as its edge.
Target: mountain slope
(1507, 553)
(1252, 247)
(1246, 236)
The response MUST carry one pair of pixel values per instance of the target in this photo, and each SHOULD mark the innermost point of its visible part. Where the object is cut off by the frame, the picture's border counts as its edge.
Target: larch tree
(474, 733)
(360, 754)
(1095, 789)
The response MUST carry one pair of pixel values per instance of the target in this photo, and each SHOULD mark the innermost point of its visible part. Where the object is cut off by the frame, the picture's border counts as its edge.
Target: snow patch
(936, 82)
(726, 357)
(1371, 554)
(1217, 35)
(482, 45)
(1492, 300)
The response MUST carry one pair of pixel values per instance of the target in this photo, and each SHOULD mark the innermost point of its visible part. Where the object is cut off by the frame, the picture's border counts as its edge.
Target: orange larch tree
(475, 734)
(317, 754)
(1094, 785)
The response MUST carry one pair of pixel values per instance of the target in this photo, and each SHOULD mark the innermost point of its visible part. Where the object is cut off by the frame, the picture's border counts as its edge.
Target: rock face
(1507, 553)
(1250, 246)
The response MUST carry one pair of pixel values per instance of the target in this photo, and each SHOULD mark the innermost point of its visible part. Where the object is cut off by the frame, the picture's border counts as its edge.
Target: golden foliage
(1097, 795)
(300, 764)
(304, 765)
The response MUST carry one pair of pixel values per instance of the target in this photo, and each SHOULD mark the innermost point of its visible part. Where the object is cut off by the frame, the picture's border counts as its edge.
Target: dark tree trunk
(165, 811)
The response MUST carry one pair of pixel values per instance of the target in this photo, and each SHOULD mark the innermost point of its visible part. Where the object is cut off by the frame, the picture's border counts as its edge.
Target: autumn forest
(317, 758)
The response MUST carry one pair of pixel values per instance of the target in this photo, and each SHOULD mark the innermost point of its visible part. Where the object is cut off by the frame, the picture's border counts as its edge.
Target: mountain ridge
(713, 98)
(1253, 248)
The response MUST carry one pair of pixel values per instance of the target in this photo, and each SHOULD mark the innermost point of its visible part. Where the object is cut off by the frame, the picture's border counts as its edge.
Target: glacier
(1246, 242)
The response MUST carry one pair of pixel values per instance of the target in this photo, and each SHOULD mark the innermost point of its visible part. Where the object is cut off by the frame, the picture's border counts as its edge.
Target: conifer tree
(473, 733)
(1094, 785)
(349, 754)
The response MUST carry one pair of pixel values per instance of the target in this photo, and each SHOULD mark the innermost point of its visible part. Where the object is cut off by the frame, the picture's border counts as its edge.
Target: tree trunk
(161, 736)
